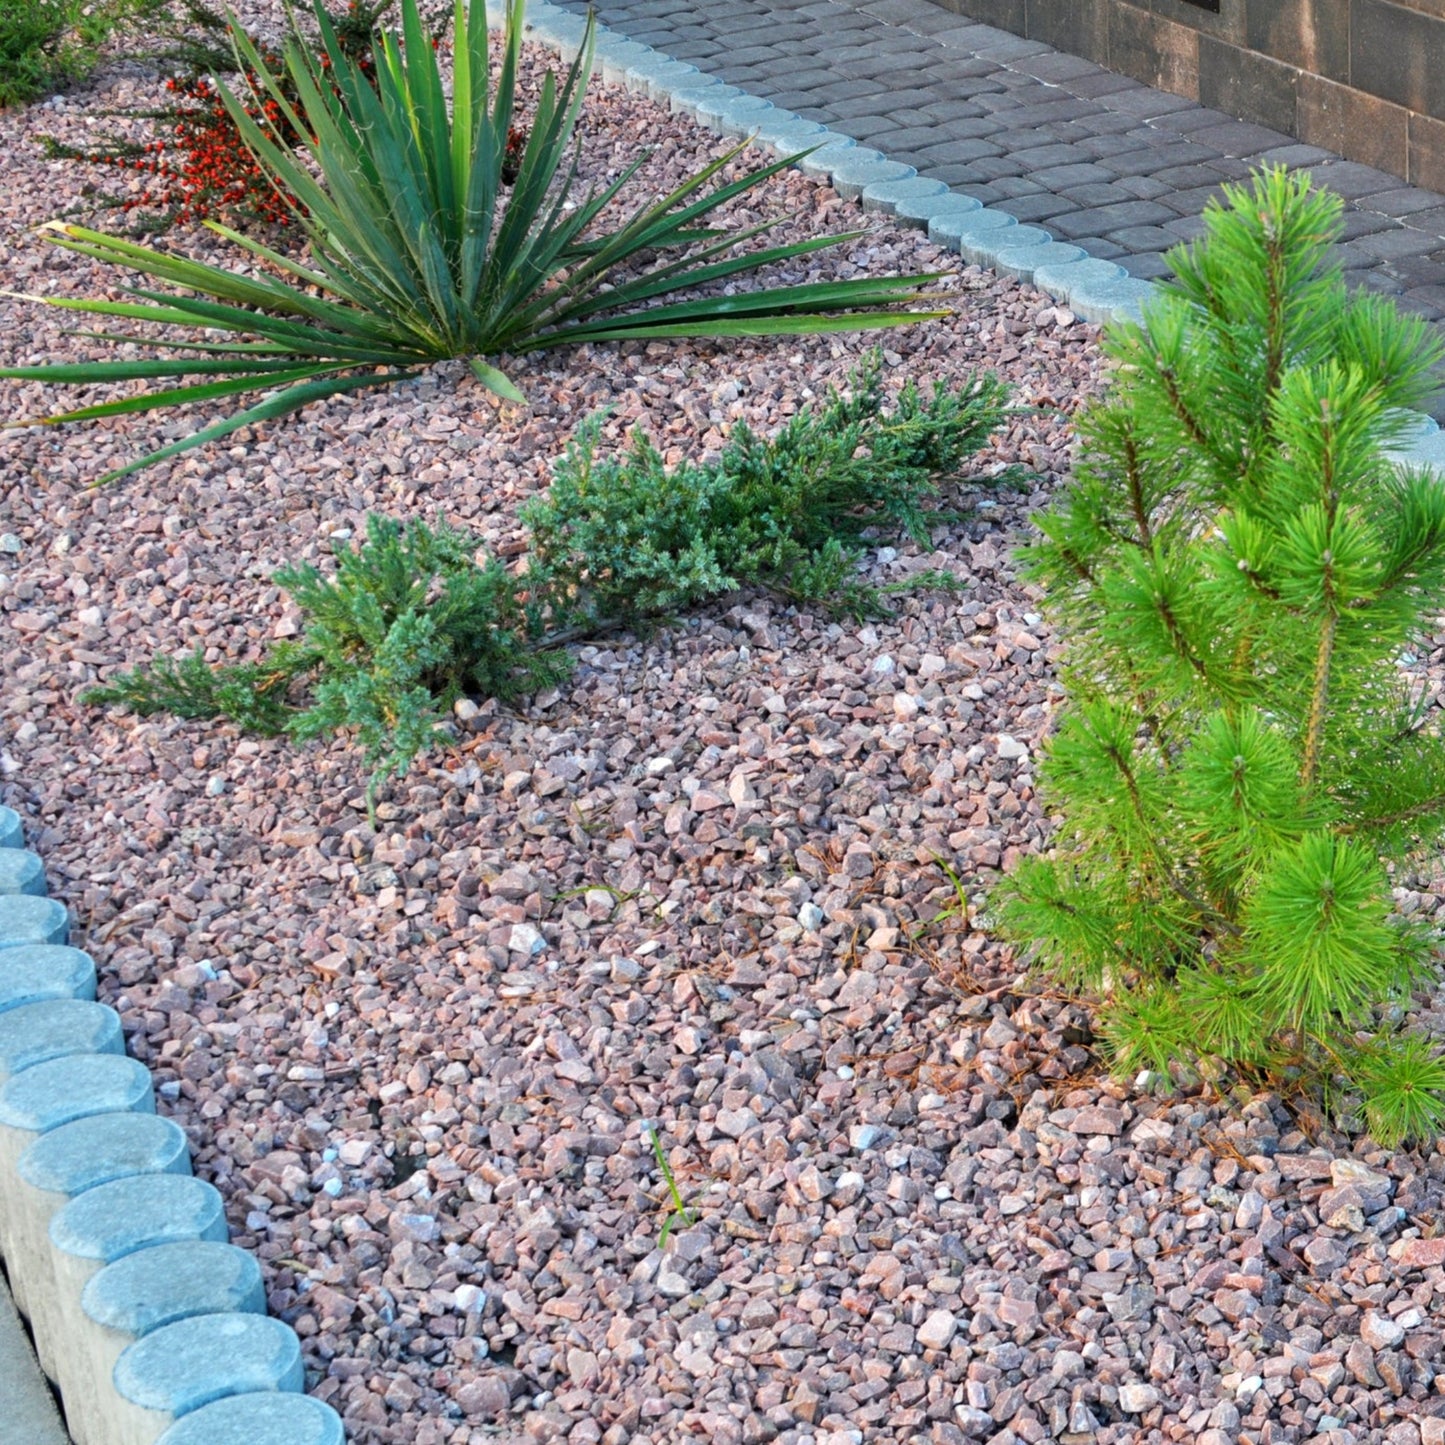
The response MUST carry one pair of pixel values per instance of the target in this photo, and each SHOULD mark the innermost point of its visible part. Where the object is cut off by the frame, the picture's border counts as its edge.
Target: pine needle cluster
(1237, 570)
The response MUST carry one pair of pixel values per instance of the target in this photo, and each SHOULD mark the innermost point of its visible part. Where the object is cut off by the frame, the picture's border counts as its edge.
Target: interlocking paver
(1099, 160)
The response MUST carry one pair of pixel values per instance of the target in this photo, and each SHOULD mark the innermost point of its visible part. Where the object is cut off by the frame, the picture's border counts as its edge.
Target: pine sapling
(1237, 570)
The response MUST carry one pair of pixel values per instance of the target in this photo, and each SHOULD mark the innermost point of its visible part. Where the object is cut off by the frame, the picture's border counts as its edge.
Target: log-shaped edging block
(26, 919)
(21, 872)
(58, 1167)
(259, 1420)
(137, 1294)
(181, 1367)
(58, 1092)
(38, 972)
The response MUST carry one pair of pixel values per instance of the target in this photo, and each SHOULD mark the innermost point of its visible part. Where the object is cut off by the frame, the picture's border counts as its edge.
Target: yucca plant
(1237, 570)
(418, 251)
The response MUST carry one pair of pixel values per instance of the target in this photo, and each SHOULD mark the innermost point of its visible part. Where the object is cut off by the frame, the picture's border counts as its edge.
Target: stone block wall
(1364, 78)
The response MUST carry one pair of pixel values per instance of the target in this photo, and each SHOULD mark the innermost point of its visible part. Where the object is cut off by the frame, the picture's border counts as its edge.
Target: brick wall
(1365, 78)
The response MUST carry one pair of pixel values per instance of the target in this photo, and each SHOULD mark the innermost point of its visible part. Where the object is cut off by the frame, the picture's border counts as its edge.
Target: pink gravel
(696, 889)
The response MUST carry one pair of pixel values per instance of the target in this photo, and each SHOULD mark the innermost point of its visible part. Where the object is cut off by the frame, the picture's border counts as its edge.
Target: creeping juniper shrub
(789, 513)
(1237, 570)
(411, 622)
(408, 624)
(45, 44)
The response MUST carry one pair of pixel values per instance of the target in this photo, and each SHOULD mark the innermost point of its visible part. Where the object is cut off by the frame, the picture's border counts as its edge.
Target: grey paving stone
(1406, 201)
(1039, 206)
(1114, 218)
(1240, 138)
(55, 1029)
(1292, 156)
(1145, 268)
(1062, 177)
(12, 835)
(26, 920)
(1144, 238)
(1352, 180)
(44, 971)
(957, 150)
(1393, 244)
(180, 1367)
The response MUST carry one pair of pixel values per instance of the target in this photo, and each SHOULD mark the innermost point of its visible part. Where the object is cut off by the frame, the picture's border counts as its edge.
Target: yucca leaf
(293, 399)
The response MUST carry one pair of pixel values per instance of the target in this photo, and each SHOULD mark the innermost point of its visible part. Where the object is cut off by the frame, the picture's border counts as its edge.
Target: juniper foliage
(412, 621)
(1237, 571)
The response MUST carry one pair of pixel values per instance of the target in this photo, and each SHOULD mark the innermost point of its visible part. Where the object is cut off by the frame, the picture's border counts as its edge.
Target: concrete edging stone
(95, 1188)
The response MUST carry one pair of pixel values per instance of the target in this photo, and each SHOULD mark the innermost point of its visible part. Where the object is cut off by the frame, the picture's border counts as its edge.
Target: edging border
(98, 1207)
(1096, 290)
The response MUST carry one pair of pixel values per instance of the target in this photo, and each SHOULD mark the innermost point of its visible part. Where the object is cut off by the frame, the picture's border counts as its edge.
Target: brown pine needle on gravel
(418, 1062)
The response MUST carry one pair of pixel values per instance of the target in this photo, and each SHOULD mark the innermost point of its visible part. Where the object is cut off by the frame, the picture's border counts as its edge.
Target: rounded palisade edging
(113, 1250)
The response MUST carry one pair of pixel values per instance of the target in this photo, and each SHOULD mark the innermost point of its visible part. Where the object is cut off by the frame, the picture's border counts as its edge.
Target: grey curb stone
(116, 1219)
(1076, 277)
(1429, 452)
(615, 57)
(24, 919)
(171, 1282)
(742, 116)
(887, 196)
(1113, 300)
(691, 100)
(21, 871)
(259, 1420)
(131, 1298)
(56, 1168)
(35, 1032)
(180, 1367)
(1023, 261)
(852, 177)
(950, 229)
(718, 103)
(927, 209)
(12, 835)
(833, 150)
(44, 971)
(785, 130)
(658, 78)
(983, 246)
(61, 1091)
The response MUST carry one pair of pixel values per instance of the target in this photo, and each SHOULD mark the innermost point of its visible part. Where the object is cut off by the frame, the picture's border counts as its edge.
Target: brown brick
(1398, 54)
(1246, 85)
(1080, 27)
(1313, 35)
(1360, 127)
(1154, 50)
(1226, 22)
(1426, 153)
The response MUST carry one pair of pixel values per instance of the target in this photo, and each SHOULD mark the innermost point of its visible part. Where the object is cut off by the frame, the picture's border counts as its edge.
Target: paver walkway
(1096, 158)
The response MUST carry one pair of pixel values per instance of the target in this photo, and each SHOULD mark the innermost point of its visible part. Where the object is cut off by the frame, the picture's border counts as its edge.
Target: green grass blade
(178, 396)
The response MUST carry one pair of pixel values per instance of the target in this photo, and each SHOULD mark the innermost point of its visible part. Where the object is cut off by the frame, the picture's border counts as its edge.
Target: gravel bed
(698, 889)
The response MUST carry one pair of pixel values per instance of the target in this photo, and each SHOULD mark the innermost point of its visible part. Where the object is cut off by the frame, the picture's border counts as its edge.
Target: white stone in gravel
(864, 1136)
(670, 1283)
(1136, 1399)
(905, 707)
(353, 1152)
(525, 939)
(1351, 1171)
(625, 970)
(1011, 748)
(938, 1330)
(1250, 1211)
(735, 1122)
(811, 917)
(1380, 1332)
